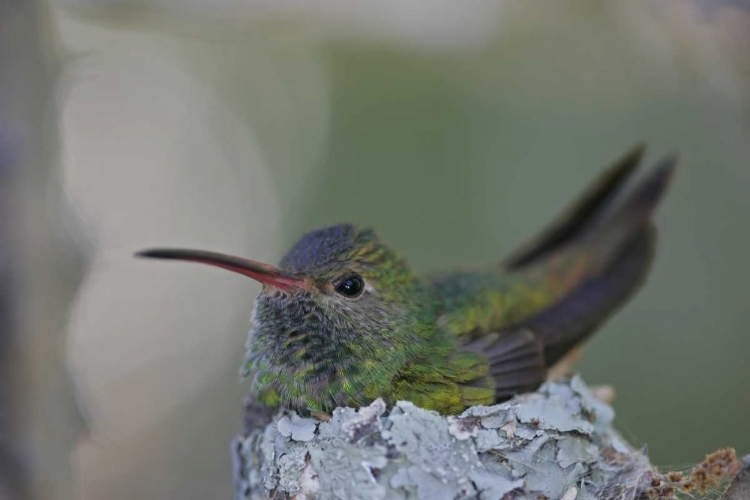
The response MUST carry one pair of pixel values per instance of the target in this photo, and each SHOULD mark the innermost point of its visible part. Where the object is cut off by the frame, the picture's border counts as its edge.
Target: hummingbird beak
(264, 273)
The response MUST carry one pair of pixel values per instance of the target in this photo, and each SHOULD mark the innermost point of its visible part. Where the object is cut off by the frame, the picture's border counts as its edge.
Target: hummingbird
(344, 320)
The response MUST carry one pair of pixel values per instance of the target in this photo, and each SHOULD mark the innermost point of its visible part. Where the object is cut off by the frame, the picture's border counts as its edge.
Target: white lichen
(557, 442)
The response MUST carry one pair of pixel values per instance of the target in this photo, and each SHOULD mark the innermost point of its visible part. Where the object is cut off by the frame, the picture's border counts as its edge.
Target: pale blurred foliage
(208, 125)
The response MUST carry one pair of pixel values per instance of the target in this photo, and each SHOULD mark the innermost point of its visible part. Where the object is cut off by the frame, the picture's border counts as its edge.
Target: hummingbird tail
(519, 356)
(580, 215)
(551, 295)
(570, 321)
(618, 250)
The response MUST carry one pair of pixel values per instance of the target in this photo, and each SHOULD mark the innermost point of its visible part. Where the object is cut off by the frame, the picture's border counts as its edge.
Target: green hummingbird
(344, 320)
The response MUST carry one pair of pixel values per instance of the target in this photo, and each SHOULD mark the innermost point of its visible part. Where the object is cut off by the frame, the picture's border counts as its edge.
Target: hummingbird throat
(307, 359)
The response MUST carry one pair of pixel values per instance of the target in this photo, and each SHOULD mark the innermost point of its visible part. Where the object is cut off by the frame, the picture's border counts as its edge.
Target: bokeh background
(457, 129)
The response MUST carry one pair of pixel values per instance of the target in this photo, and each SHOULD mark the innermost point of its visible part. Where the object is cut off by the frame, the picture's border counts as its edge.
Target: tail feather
(606, 240)
(570, 321)
(581, 214)
(619, 248)
(616, 242)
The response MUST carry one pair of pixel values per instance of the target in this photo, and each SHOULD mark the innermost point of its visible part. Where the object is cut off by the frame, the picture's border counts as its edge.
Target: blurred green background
(456, 131)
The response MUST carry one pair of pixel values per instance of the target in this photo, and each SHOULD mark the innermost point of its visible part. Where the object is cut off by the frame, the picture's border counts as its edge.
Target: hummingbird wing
(516, 360)
(561, 288)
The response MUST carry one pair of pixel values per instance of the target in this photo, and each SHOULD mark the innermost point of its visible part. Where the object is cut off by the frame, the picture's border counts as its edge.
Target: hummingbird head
(334, 323)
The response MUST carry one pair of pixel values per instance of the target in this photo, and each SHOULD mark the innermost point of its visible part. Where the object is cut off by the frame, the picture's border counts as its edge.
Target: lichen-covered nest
(555, 443)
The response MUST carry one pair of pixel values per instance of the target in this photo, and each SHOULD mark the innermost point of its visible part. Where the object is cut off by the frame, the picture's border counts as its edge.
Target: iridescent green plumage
(344, 320)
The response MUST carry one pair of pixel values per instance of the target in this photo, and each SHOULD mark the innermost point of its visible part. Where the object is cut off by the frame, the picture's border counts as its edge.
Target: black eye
(351, 287)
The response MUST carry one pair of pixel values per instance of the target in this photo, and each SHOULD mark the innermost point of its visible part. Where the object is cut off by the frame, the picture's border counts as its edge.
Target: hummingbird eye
(351, 287)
